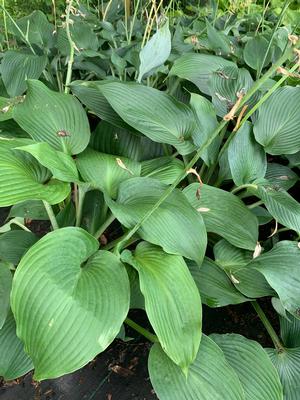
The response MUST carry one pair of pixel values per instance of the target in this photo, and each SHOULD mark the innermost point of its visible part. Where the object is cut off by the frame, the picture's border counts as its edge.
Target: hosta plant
(167, 170)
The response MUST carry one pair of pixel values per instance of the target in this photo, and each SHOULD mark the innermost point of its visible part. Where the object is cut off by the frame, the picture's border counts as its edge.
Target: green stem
(141, 330)
(201, 150)
(104, 226)
(284, 8)
(51, 215)
(81, 196)
(264, 319)
(5, 25)
(114, 243)
(256, 204)
(245, 186)
(71, 55)
(22, 226)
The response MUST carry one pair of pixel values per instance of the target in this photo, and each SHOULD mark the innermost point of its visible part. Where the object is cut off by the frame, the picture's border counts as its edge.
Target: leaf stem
(200, 151)
(264, 319)
(245, 186)
(141, 330)
(104, 226)
(71, 55)
(5, 25)
(256, 204)
(51, 215)
(22, 226)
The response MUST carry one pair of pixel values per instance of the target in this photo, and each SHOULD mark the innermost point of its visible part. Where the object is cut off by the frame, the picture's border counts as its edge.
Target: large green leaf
(105, 171)
(207, 122)
(5, 287)
(172, 301)
(154, 113)
(14, 362)
(210, 377)
(215, 287)
(198, 68)
(89, 93)
(169, 226)
(31, 209)
(281, 268)
(281, 175)
(254, 368)
(156, 51)
(247, 159)
(234, 261)
(255, 52)
(226, 86)
(277, 125)
(61, 165)
(55, 118)
(218, 41)
(36, 28)
(290, 330)
(17, 66)
(69, 301)
(280, 204)
(224, 214)
(165, 169)
(94, 211)
(23, 178)
(110, 139)
(229, 257)
(82, 35)
(14, 244)
(287, 363)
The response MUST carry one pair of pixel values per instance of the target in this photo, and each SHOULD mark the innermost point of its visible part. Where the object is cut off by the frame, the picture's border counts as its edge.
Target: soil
(120, 373)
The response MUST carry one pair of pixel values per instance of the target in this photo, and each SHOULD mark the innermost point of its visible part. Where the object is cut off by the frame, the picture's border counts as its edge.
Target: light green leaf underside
(61, 165)
(154, 113)
(175, 225)
(198, 68)
(224, 214)
(69, 301)
(106, 171)
(247, 159)
(277, 126)
(172, 301)
(5, 287)
(215, 287)
(14, 362)
(23, 178)
(210, 377)
(17, 66)
(287, 364)
(254, 368)
(156, 51)
(55, 118)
